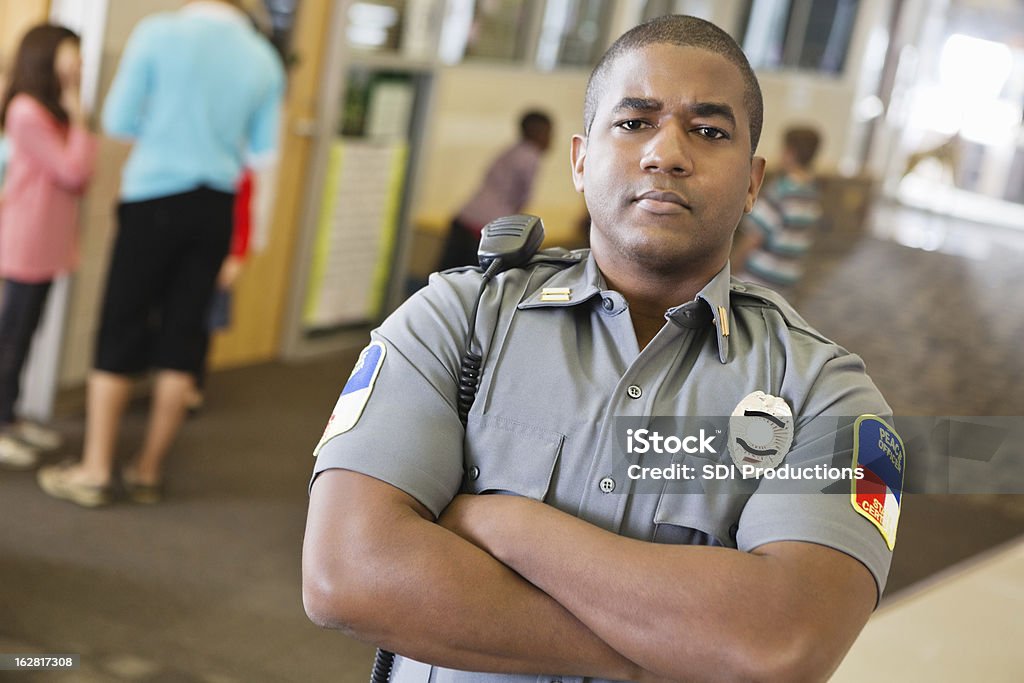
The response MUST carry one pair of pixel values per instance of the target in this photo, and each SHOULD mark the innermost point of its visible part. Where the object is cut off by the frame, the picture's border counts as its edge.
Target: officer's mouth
(661, 202)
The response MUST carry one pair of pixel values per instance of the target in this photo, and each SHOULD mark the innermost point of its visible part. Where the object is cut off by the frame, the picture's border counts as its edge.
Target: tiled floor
(934, 307)
(964, 625)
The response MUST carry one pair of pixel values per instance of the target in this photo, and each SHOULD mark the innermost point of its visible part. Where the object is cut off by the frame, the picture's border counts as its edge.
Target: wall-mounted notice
(355, 233)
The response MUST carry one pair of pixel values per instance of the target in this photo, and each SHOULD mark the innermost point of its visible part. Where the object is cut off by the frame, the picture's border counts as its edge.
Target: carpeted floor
(203, 587)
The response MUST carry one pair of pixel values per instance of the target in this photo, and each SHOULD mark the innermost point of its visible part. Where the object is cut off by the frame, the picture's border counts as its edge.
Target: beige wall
(16, 16)
(122, 15)
(475, 115)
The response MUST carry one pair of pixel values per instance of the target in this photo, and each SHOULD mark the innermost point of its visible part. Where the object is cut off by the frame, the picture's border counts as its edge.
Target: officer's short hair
(683, 31)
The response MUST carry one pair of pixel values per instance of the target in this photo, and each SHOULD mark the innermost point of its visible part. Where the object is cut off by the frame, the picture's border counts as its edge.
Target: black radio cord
(469, 382)
(472, 362)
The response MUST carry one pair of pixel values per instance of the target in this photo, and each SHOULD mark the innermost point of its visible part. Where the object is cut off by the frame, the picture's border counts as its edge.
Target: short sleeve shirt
(562, 377)
(787, 215)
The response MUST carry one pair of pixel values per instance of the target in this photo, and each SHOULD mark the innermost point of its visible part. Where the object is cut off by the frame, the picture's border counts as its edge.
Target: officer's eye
(632, 124)
(712, 133)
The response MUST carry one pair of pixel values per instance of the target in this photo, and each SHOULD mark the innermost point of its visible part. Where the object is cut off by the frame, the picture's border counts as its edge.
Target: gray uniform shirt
(562, 372)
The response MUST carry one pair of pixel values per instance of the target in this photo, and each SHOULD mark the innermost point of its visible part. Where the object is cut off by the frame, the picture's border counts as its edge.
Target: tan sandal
(57, 481)
(138, 492)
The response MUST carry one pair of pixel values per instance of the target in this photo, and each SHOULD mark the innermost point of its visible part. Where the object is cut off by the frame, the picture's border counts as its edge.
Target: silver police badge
(760, 433)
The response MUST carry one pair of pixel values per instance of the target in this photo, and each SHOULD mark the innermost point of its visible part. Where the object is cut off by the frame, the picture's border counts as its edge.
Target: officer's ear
(577, 155)
(756, 178)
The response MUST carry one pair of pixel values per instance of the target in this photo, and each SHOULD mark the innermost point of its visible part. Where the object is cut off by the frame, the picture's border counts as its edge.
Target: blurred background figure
(196, 90)
(773, 238)
(52, 156)
(505, 190)
(4, 149)
(4, 153)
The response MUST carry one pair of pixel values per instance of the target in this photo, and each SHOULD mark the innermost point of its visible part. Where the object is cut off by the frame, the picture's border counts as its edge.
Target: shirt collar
(210, 9)
(581, 282)
(716, 295)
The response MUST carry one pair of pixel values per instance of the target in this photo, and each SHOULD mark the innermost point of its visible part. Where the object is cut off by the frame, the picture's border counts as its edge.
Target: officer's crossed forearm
(786, 611)
(376, 566)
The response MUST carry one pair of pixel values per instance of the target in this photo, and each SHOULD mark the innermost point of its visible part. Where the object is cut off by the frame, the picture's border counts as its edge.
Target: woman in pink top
(52, 155)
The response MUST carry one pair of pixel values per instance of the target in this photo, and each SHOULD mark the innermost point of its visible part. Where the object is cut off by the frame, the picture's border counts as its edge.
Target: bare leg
(166, 414)
(107, 396)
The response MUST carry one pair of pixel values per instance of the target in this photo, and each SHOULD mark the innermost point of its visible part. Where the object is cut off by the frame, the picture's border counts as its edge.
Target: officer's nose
(667, 152)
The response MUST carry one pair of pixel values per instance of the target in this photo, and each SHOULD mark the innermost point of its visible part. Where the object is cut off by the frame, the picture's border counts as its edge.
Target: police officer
(574, 573)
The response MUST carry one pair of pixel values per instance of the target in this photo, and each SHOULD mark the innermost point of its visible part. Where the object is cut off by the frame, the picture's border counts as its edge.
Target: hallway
(205, 587)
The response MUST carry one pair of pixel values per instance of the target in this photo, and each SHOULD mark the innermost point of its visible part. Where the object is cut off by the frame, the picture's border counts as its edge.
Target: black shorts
(162, 275)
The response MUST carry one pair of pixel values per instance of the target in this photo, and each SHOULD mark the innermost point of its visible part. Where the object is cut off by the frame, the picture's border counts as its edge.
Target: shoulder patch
(356, 393)
(878, 452)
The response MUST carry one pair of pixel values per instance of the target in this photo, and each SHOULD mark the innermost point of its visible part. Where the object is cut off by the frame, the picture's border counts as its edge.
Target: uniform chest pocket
(699, 518)
(504, 455)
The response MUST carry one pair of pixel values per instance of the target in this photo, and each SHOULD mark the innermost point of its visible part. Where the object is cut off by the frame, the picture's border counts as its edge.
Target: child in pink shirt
(52, 156)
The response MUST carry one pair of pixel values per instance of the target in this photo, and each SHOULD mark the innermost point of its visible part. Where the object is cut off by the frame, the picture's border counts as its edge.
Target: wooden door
(261, 293)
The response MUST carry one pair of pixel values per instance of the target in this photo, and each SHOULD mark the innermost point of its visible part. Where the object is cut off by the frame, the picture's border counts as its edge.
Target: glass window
(802, 34)
(488, 29)
(572, 33)
(765, 35)
(826, 37)
(375, 25)
(408, 27)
